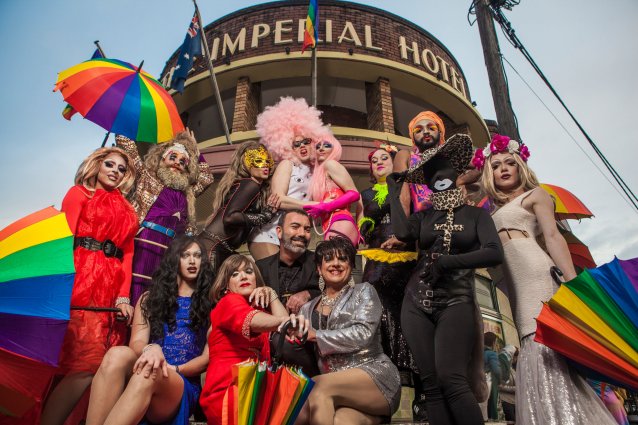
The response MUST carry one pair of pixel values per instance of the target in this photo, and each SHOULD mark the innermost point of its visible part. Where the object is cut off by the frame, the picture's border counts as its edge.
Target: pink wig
(319, 180)
(278, 125)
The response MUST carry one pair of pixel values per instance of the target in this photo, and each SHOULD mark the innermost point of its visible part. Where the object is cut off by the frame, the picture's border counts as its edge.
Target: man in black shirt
(292, 272)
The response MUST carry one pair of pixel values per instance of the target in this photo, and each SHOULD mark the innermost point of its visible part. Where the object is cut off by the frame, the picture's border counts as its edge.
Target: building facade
(375, 72)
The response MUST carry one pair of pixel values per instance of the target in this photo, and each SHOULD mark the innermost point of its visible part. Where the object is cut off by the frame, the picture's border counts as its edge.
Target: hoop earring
(322, 283)
(351, 282)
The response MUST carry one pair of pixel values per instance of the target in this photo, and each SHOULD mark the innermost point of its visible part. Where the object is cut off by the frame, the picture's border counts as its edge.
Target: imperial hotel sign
(375, 72)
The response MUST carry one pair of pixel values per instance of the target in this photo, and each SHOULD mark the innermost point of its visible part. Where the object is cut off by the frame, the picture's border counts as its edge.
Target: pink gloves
(327, 207)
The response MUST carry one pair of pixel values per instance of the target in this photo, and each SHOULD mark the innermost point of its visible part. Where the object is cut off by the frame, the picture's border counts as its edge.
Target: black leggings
(442, 344)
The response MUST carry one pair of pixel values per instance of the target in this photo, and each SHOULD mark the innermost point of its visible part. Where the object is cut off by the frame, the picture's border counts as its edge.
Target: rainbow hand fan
(592, 320)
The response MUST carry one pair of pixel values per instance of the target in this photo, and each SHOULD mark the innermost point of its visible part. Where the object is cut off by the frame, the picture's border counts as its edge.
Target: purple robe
(148, 256)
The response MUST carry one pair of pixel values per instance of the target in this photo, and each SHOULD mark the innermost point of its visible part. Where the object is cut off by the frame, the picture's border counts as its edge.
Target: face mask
(441, 185)
(258, 158)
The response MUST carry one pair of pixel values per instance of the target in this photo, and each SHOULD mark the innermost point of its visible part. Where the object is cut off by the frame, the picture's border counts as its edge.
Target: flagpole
(213, 79)
(97, 43)
(313, 75)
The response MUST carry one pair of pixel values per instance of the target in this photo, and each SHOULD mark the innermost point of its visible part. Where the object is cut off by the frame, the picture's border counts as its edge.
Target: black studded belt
(108, 246)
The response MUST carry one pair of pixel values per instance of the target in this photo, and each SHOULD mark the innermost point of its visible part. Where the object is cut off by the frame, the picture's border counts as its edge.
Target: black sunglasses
(298, 143)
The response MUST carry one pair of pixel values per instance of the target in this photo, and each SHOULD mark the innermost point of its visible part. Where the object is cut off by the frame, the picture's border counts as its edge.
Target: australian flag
(191, 47)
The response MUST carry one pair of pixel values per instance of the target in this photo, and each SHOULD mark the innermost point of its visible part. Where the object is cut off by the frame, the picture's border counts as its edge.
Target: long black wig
(159, 305)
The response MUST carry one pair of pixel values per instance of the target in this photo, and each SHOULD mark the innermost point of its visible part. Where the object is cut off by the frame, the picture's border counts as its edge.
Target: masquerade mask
(258, 158)
(298, 143)
(500, 144)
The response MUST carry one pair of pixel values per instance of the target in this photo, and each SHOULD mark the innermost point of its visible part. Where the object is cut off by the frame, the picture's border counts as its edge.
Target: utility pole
(495, 72)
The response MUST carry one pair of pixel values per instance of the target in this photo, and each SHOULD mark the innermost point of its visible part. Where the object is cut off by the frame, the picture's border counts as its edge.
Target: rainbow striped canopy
(121, 98)
(567, 204)
(36, 280)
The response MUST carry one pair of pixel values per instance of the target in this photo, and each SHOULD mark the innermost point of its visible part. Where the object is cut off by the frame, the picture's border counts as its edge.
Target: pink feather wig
(319, 180)
(278, 125)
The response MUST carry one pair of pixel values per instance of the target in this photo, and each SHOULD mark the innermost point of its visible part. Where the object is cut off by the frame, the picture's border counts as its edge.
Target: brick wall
(379, 106)
(246, 105)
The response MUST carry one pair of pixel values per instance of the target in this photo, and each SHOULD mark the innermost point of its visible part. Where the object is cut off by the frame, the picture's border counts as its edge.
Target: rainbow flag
(311, 35)
(68, 112)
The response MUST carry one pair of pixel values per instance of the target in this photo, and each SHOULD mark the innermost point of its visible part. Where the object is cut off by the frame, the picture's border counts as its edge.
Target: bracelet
(148, 347)
(272, 294)
(122, 300)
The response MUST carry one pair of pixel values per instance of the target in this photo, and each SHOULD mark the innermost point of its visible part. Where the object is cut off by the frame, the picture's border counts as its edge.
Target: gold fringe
(378, 254)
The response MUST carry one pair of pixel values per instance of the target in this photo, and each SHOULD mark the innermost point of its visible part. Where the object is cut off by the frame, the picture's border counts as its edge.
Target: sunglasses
(298, 143)
(326, 145)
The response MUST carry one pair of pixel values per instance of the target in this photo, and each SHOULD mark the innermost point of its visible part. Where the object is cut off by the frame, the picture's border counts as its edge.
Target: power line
(497, 14)
(567, 132)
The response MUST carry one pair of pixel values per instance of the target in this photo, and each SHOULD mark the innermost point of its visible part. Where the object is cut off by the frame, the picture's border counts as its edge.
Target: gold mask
(258, 158)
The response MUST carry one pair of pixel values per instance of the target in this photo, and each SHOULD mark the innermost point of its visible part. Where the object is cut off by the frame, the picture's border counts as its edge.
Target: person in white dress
(548, 391)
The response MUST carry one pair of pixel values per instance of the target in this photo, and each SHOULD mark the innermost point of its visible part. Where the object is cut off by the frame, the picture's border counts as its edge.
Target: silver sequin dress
(548, 392)
(352, 339)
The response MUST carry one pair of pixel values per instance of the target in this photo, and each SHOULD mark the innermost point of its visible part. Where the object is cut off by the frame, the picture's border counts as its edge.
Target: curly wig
(278, 125)
(159, 304)
(153, 159)
(88, 170)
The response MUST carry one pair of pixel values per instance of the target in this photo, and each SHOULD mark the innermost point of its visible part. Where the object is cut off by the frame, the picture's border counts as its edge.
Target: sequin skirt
(549, 392)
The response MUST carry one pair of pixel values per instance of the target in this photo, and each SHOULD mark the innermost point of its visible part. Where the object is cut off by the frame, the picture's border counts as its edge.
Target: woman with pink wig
(289, 129)
(332, 185)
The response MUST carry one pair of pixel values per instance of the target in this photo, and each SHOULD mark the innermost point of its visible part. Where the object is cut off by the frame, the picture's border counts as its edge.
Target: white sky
(586, 48)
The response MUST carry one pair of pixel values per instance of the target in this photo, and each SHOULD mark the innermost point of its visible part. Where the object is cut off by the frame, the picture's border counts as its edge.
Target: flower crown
(500, 144)
(388, 148)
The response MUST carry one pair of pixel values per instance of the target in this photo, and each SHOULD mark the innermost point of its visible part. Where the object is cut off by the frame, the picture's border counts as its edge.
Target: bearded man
(170, 177)
(292, 272)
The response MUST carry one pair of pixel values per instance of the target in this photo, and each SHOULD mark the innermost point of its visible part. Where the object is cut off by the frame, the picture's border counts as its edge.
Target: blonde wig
(90, 167)
(238, 170)
(527, 180)
(228, 267)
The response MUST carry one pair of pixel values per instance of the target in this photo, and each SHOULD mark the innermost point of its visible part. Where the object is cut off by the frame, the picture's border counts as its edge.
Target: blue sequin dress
(180, 346)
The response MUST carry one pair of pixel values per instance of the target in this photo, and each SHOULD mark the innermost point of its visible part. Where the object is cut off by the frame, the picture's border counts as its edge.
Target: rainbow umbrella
(593, 320)
(121, 98)
(36, 279)
(562, 336)
(567, 204)
(581, 256)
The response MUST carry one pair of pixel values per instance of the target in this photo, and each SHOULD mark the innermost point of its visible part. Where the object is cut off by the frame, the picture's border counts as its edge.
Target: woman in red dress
(104, 224)
(240, 327)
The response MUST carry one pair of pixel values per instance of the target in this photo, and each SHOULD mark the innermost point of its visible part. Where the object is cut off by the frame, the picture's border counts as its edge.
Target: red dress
(230, 342)
(99, 280)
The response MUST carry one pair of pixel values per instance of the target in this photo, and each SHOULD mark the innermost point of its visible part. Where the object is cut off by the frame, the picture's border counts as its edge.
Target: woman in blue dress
(157, 377)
